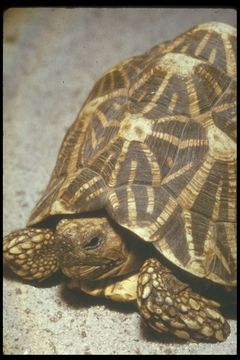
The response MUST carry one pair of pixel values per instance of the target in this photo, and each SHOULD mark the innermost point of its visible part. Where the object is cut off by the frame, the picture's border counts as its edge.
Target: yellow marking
(173, 101)
(135, 67)
(125, 77)
(184, 48)
(114, 176)
(94, 194)
(106, 163)
(132, 211)
(180, 118)
(116, 106)
(158, 93)
(231, 239)
(111, 80)
(59, 207)
(124, 63)
(230, 56)
(114, 201)
(193, 142)
(133, 169)
(151, 202)
(92, 105)
(218, 27)
(145, 231)
(188, 228)
(233, 134)
(82, 122)
(169, 161)
(165, 249)
(177, 173)
(93, 137)
(221, 146)
(177, 63)
(222, 259)
(100, 88)
(230, 120)
(200, 264)
(101, 117)
(218, 280)
(212, 56)
(223, 107)
(202, 44)
(166, 137)
(215, 213)
(205, 119)
(134, 127)
(232, 171)
(86, 186)
(214, 84)
(156, 173)
(232, 209)
(173, 44)
(141, 81)
(152, 161)
(167, 211)
(142, 95)
(187, 217)
(189, 194)
(232, 196)
(193, 98)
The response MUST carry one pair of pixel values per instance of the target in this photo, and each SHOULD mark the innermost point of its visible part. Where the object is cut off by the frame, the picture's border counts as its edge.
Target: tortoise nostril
(64, 244)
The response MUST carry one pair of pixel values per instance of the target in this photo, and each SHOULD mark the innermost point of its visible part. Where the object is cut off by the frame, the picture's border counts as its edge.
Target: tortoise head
(92, 249)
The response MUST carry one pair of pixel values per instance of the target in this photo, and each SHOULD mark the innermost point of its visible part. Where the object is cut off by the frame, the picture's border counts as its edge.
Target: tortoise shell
(155, 146)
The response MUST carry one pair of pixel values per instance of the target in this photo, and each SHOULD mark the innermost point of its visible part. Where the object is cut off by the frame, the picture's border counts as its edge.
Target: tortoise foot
(169, 305)
(30, 253)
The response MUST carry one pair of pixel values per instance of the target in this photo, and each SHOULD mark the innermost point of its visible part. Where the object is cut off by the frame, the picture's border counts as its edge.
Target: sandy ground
(52, 57)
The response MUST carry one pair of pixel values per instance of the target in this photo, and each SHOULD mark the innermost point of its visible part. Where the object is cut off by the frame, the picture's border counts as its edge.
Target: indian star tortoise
(144, 188)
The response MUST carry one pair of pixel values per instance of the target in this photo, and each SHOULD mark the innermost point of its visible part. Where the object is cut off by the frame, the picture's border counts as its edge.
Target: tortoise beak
(92, 271)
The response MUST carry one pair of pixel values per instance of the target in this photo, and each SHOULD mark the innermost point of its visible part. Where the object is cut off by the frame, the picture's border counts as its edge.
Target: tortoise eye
(93, 243)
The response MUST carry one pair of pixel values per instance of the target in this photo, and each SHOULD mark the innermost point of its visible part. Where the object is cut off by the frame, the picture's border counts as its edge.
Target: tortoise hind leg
(30, 253)
(169, 305)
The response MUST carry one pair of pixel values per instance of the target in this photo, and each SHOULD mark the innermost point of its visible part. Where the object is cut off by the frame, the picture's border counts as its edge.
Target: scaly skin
(30, 253)
(168, 304)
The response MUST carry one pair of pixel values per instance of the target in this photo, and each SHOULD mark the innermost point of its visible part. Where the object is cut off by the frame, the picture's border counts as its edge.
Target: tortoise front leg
(167, 304)
(30, 253)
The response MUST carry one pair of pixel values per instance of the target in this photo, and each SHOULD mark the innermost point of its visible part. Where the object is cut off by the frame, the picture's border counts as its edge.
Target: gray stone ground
(52, 57)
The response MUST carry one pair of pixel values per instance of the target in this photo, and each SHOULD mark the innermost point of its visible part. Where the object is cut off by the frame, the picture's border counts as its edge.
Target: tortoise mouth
(93, 272)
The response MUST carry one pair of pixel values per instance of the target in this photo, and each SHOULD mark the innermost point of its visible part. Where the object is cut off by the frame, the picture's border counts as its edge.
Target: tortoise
(140, 206)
